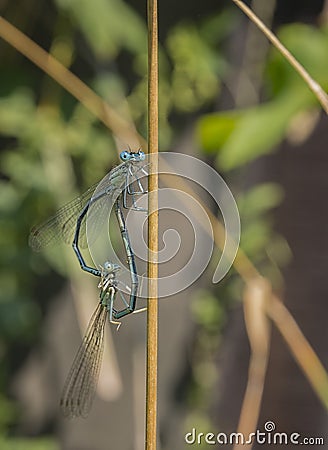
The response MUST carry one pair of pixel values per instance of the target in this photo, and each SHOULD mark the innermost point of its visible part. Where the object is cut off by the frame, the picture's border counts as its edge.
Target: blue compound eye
(125, 156)
(108, 266)
(142, 155)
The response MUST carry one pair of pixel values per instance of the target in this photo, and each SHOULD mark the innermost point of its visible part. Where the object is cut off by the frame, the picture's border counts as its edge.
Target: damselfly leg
(131, 263)
(134, 188)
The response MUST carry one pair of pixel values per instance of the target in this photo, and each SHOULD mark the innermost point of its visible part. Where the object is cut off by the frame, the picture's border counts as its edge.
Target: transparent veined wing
(62, 225)
(81, 383)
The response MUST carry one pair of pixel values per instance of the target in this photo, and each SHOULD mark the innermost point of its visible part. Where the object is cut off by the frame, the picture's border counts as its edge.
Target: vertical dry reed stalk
(152, 315)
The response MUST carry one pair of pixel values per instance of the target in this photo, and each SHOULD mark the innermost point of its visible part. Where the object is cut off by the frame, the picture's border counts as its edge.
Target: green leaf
(215, 129)
(28, 444)
(310, 46)
(103, 24)
(14, 109)
(8, 414)
(260, 199)
(206, 309)
(255, 237)
(196, 66)
(240, 137)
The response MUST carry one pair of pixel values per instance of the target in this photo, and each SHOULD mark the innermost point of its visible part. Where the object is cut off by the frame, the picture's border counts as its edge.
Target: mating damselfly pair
(122, 186)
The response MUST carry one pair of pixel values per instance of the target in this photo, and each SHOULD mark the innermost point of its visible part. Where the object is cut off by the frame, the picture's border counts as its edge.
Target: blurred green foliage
(109, 26)
(52, 148)
(28, 444)
(240, 136)
(191, 66)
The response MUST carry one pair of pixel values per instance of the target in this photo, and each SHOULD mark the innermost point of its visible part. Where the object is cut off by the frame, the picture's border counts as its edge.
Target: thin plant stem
(312, 84)
(299, 347)
(152, 310)
(258, 326)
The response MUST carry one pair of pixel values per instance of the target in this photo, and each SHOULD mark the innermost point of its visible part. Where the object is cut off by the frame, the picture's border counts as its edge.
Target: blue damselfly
(69, 222)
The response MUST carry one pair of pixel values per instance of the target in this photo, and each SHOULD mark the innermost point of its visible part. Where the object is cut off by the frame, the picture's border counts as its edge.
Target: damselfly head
(110, 267)
(132, 156)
